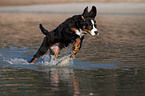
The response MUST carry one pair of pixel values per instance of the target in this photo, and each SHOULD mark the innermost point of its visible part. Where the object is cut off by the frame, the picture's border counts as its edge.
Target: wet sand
(121, 32)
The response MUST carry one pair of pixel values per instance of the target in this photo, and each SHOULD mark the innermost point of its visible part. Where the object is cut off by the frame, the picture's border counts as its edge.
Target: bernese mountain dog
(72, 30)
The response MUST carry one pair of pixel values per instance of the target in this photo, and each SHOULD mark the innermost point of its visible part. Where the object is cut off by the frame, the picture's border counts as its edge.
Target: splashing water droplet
(51, 60)
(17, 61)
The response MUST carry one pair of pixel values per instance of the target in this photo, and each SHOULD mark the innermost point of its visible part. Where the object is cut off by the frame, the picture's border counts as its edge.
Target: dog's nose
(96, 32)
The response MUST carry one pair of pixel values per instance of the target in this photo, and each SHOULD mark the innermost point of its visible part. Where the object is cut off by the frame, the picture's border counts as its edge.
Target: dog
(72, 30)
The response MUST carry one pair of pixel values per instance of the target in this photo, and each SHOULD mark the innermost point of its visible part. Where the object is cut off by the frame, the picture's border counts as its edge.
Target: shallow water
(111, 64)
(76, 77)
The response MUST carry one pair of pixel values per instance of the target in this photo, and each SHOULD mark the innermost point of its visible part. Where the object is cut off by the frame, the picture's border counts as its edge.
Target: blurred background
(28, 2)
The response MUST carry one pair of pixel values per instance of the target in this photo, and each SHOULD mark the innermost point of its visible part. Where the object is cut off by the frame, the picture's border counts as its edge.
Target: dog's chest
(80, 32)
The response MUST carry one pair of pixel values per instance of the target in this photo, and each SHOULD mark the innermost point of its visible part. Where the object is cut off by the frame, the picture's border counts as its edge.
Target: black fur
(63, 35)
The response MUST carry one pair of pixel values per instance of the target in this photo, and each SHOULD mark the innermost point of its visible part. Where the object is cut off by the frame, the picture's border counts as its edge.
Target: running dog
(72, 30)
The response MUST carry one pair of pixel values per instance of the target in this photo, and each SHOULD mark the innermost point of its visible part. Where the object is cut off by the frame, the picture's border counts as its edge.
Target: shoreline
(36, 2)
(103, 8)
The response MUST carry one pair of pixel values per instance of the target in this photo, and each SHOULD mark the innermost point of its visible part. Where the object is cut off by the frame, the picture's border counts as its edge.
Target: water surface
(80, 78)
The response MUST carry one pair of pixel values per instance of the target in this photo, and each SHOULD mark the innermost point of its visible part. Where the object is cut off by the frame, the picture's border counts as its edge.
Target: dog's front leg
(76, 47)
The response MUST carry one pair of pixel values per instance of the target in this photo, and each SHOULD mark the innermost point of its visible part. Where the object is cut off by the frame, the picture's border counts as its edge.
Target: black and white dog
(72, 30)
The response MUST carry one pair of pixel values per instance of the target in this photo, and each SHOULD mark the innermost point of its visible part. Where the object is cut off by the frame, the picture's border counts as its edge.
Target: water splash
(17, 61)
(47, 60)
(22, 56)
(17, 57)
(51, 60)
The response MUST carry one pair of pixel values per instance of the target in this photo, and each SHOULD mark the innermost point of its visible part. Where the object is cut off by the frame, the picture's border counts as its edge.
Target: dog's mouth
(90, 32)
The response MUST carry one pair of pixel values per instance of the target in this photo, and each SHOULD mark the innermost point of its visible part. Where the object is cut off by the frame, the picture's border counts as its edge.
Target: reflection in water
(58, 81)
(46, 81)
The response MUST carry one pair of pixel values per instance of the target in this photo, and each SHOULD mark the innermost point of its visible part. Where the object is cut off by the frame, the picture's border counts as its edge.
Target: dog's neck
(79, 32)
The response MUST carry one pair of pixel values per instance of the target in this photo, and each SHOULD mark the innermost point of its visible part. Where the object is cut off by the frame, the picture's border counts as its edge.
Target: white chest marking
(80, 32)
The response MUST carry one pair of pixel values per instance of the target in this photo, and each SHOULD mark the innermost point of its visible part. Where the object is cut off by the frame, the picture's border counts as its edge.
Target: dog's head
(89, 22)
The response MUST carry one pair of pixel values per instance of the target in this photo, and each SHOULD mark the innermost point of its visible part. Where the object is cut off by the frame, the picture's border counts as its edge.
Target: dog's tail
(43, 30)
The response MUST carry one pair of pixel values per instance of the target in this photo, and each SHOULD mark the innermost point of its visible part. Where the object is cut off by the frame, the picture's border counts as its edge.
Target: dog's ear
(85, 13)
(93, 12)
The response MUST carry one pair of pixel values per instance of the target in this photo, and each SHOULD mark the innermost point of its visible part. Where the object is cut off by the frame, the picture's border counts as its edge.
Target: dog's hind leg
(56, 53)
(42, 50)
(54, 50)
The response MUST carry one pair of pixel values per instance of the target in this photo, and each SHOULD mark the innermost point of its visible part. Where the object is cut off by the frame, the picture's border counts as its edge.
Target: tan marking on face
(87, 31)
